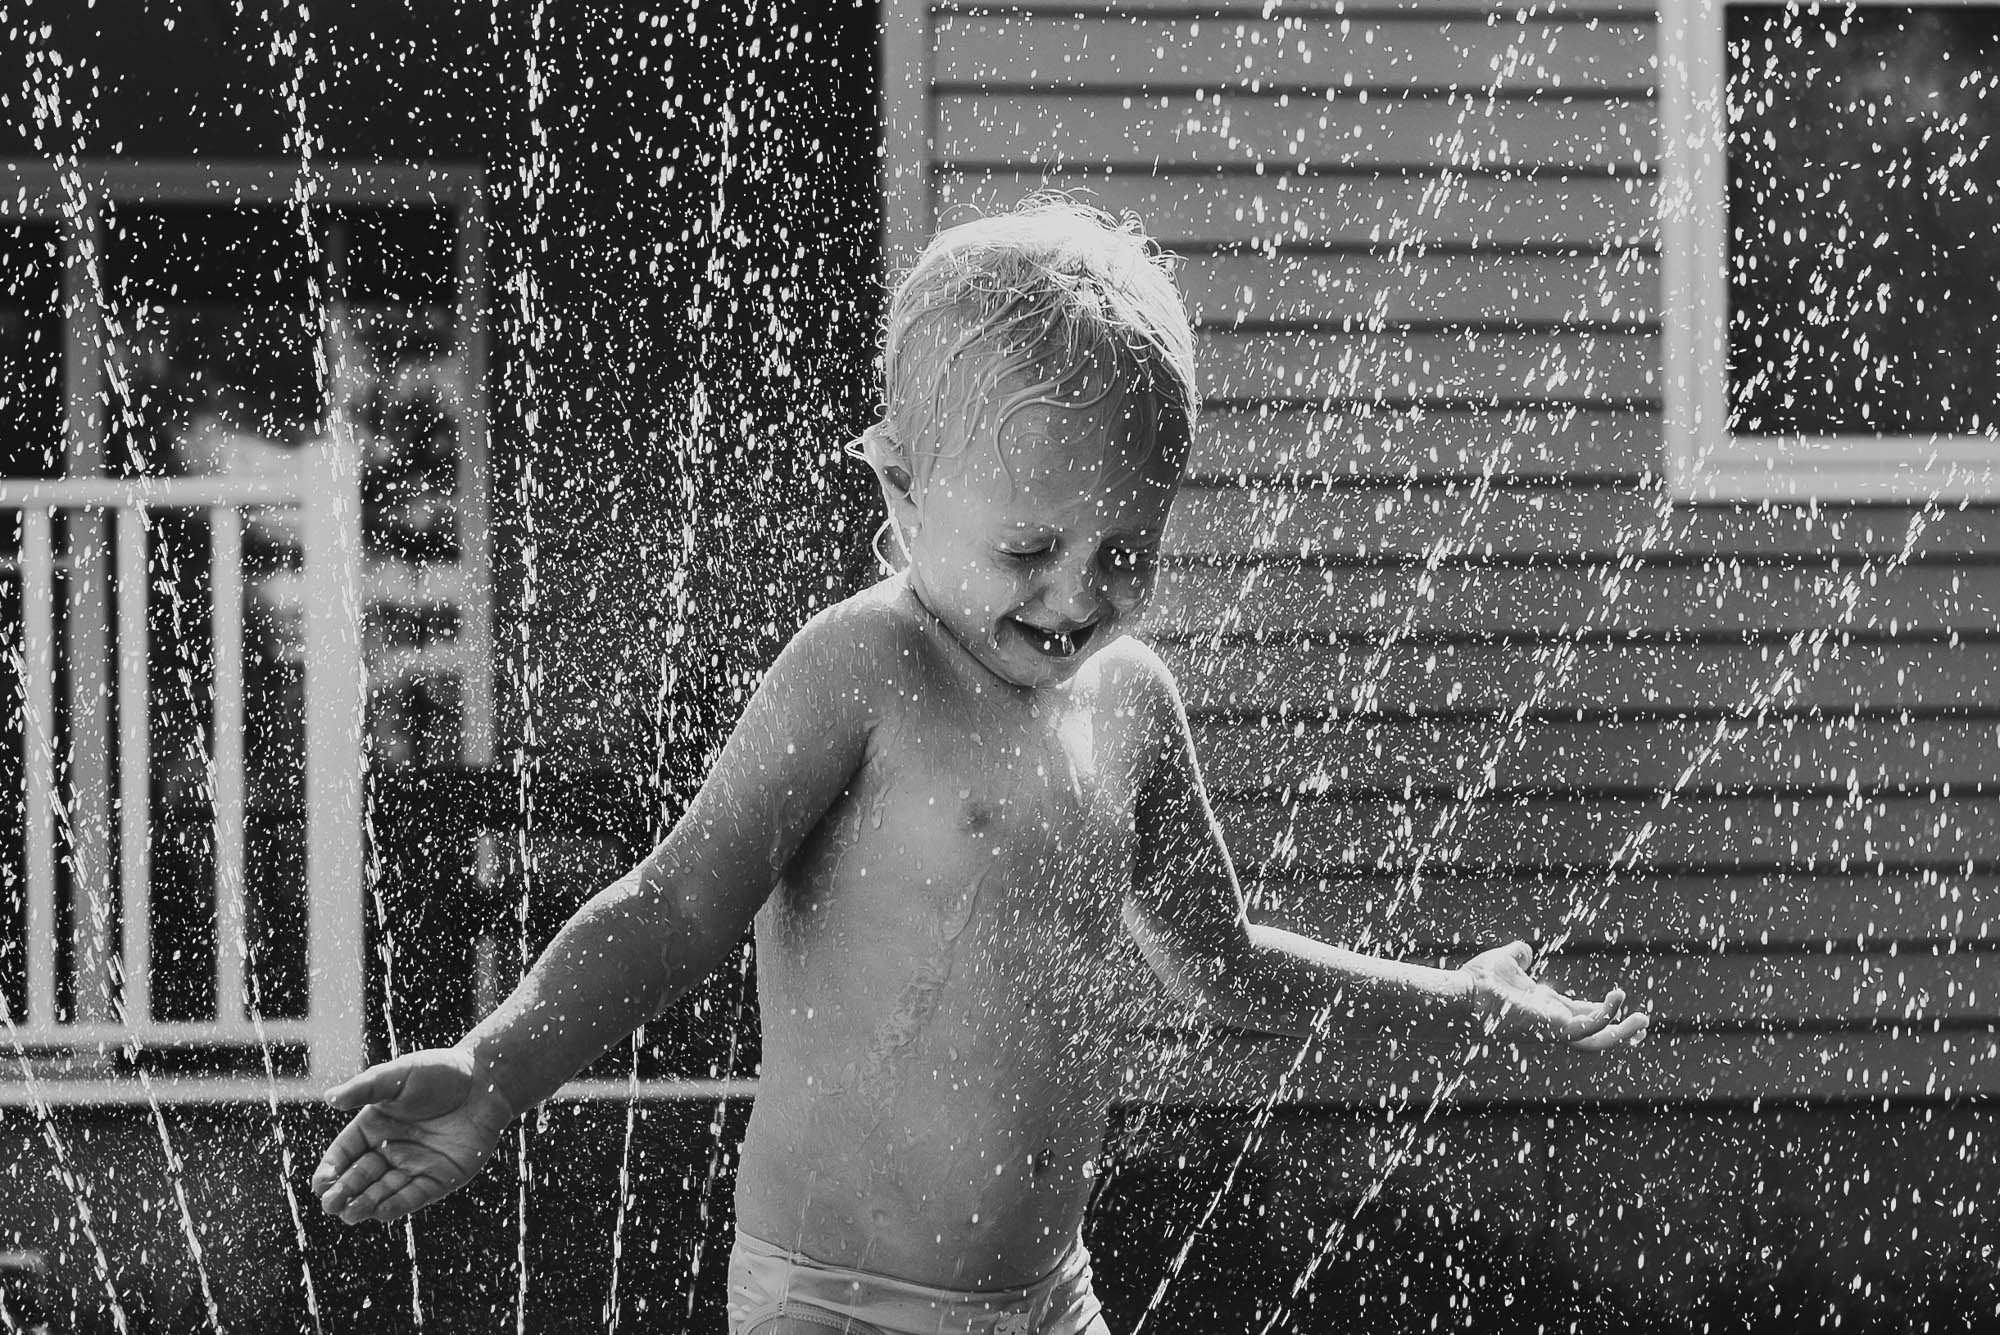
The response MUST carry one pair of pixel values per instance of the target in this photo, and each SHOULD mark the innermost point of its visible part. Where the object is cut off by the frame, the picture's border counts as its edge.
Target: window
(1830, 195)
(190, 303)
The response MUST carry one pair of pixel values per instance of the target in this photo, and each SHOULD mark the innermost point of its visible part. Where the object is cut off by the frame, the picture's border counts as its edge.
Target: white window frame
(1706, 460)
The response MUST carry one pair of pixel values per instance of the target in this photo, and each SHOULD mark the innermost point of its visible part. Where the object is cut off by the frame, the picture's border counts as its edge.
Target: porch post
(335, 703)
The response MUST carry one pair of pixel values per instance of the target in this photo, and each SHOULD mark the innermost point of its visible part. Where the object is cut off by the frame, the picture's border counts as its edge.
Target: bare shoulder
(1136, 688)
(857, 651)
(1130, 673)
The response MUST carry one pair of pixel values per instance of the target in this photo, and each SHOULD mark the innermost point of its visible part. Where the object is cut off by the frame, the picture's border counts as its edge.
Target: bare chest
(1010, 845)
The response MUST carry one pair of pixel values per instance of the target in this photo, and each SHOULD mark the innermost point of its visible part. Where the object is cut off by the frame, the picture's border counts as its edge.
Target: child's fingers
(1586, 1018)
(1589, 1018)
(377, 1084)
(353, 1184)
(347, 1149)
(369, 1204)
(1628, 1030)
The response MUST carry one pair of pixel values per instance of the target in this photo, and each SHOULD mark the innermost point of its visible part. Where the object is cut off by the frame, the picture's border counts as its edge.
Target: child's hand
(426, 1124)
(1512, 1001)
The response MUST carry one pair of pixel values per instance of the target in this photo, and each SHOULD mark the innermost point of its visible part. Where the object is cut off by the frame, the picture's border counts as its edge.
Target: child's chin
(1038, 653)
(1033, 669)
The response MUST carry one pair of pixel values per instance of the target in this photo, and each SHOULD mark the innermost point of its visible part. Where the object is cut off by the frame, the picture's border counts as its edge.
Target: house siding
(1459, 669)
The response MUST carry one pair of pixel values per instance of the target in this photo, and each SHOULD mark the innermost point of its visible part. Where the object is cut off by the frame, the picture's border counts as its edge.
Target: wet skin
(976, 798)
(942, 974)
(943, 968)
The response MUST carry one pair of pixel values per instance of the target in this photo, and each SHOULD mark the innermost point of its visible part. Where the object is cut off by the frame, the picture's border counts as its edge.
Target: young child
(964, 811)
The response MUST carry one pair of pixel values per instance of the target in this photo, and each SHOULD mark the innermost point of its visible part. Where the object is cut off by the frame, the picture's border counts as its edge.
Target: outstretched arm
(426, 1121)
(1187, 915)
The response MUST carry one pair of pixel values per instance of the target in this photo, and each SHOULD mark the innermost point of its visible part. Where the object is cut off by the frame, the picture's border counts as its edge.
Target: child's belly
(962, 1159)
(935, 1109)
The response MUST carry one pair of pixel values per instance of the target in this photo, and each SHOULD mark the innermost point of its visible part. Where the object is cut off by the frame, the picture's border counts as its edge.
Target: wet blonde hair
(1054, 290)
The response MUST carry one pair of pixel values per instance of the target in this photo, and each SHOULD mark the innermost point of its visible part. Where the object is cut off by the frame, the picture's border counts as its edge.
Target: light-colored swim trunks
(767, 1282)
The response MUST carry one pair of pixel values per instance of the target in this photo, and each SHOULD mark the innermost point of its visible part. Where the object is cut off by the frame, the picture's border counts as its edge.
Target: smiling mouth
(1055, 643)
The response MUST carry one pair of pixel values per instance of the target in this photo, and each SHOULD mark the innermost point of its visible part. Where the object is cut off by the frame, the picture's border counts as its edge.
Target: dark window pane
(191, 254)
(30, 350)
(399, 254)
(1864, 203)
(221, 327)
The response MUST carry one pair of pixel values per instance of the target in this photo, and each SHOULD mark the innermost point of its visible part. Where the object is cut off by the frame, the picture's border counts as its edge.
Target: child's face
(1036, 546)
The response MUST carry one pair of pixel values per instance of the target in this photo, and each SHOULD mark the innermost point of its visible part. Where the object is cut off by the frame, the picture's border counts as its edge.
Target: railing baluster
(327, 494)
(134, 769)
(226, 775)
(38, 723)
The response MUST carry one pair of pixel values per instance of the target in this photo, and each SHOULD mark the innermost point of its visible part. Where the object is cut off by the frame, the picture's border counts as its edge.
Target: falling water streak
(1409, 881)
(177, 1177)
(611, 1308)
(712, 280)
(1760, 700)
(293, 48)
(715, 1129)
(521, 662)
(47, 113)
(1625, 858)
(1260, 1118)
(1397, 1156)
(32, 739)
(710, 284)
(64, 1172)
(664, 733)
(256, 1009)
(385, 952)
(1266, 1107)
(1449, 1083)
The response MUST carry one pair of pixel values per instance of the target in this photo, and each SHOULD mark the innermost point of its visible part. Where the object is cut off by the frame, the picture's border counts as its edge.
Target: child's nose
(1078, 592)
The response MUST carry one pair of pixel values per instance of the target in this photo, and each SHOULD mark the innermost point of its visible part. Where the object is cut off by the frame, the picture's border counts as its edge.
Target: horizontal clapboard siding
(1561, 676)
(1459, 671)
(1319, 835)
(1778, 913)
(1466, 130)
(1298, 599)
(1374, 211)
(1086, 52)
(1356, 1067)
(1351, 290)
(1306, 443)
(1464, 366)
(1507, 755)
(1245, 10)
(1417, 522)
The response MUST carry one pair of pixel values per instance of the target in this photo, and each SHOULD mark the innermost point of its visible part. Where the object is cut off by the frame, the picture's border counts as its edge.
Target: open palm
(1515, 1002)
(425, 1125)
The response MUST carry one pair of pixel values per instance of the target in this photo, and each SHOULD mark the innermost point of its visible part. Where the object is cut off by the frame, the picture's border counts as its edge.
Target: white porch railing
(106, 975)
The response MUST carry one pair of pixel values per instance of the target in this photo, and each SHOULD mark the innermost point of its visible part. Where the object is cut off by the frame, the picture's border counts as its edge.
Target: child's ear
(885, 454)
